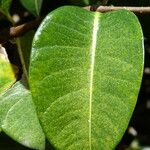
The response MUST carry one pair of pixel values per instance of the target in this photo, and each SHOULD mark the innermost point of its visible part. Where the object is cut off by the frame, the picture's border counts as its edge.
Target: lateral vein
(93, 50)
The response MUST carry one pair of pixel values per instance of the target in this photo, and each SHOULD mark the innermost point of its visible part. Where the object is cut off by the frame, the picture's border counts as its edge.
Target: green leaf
(18, 117)
(34, 6)
(7, 75)
(85, 74)
(4, 8)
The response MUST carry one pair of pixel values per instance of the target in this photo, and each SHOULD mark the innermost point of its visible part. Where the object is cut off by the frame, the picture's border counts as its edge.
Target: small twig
(18, 31)
(137, 10)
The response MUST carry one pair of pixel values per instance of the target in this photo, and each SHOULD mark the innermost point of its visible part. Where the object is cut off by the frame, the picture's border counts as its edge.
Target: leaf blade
(18, 117)
(34, 6)
(5, 6)
(6, 80)
(87, 74)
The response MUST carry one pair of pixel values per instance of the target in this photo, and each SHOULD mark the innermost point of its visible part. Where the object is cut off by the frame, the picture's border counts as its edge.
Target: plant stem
(22, 59)
(138, 10)
(13, 31)
(18, 31)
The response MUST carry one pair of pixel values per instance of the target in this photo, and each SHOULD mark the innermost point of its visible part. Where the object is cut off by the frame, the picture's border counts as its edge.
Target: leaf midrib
(92, 51)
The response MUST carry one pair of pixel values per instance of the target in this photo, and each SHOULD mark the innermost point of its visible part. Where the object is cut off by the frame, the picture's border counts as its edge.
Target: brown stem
(137, 10)
(18, 31)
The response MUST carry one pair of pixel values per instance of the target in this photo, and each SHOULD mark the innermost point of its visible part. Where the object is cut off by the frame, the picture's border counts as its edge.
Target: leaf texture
(7, 75)
(85, 75)
(18, 117)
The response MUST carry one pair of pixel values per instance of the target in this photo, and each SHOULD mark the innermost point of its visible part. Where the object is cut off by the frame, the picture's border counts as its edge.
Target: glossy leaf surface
(7, 75)
(18, 117)
(34, 6)
(85, 75)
